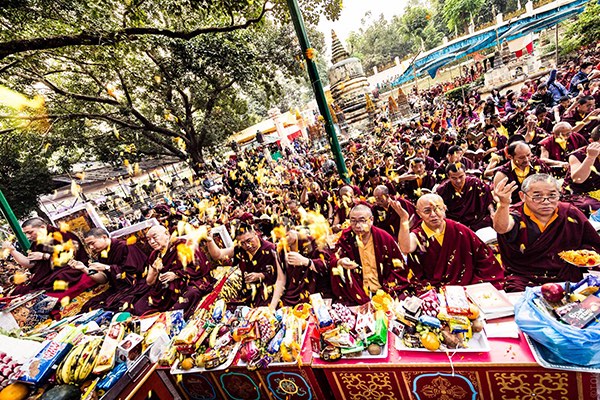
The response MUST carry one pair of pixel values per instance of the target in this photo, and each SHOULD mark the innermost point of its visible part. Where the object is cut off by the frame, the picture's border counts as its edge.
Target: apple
(553, 292)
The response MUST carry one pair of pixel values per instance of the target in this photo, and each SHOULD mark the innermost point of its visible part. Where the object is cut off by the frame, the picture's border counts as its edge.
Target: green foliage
(584, 31)
(24, 173)
(379, 43)
(458, 13)
(128, 79)
(456, 94)
(46, 24)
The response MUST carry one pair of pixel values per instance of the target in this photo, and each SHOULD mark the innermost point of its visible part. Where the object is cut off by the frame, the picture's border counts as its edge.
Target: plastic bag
(573, 345)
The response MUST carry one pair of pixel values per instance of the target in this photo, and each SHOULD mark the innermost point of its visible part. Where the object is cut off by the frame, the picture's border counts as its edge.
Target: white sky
(352, 13)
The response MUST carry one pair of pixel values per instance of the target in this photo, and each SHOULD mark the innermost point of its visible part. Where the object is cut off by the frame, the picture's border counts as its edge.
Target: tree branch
(111, 38)
(76, 96)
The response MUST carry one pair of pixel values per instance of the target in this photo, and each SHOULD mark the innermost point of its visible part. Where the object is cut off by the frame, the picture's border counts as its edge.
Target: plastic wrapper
(345, 316)
(456, 300)
(381, 329)
(249, 352)
(38, 369)
(218, 310)
(112, 377)
(339, 337)
(573, 345)
(275, 343)
(588, 285)
(324, 320)
(107, 354)
(175, 322)
(365, 321)
(245, 333)
(431, 303)
(431, 322)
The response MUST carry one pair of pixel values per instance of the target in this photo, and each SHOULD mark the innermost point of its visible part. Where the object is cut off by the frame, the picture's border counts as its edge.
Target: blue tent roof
(510, 30)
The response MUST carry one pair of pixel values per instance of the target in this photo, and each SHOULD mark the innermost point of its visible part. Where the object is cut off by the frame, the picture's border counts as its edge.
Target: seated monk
(582, 184)
(306, 269)
(417, 181)
(119, 265)
(531, 237)
(264, 280)
(467, 198)
(384, 216)
(366, 259)
(40, 261)
(522, 163)
(444, 252)
(173, 285)
(554, 149)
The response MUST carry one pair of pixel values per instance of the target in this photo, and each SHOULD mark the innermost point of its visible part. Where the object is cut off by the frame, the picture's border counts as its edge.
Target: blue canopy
(434, 59)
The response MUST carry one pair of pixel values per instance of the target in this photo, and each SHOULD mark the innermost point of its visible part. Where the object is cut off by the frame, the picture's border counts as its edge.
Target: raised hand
(593, 150)
(503, 192)
(402, 213)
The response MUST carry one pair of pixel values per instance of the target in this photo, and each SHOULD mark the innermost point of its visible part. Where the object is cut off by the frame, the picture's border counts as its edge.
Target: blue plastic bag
(573, 345)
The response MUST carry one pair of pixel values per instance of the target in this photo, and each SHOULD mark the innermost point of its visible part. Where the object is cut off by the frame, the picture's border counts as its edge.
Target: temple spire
(338, 53)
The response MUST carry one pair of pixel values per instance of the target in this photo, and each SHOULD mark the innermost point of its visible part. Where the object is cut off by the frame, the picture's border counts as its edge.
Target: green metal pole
(318, 89)
(13, 222)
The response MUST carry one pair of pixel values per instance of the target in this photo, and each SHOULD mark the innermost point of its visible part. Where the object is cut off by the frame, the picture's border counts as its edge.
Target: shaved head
(430, 198)
(158, 237)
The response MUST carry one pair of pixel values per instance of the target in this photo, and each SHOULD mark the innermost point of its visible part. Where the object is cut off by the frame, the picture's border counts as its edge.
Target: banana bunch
(232, 287)
(79, 363)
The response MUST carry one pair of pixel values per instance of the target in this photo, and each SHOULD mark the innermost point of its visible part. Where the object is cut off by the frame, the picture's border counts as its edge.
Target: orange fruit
(430, 341)
(473, 312)
(186, 364)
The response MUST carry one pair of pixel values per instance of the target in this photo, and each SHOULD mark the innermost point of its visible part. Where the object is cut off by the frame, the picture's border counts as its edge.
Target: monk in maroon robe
(582, 183)
(467, 198)
(366, 259)
(173, 285)
(264, 280)
(554, 149)
(531, 237)
(385, 217)
(40, 261)
(118, 264)
(306, 269)
(522, 163)
(417, 181)
(444, 252)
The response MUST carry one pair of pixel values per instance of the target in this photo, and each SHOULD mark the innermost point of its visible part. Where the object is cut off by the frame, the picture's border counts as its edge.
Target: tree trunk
(197, 161)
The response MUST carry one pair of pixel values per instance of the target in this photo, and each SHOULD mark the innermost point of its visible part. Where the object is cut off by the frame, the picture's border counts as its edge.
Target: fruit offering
(581, 258)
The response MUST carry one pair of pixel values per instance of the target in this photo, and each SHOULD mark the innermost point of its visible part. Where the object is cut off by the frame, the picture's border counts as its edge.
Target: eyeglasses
(429, 211)
(359, 221)
(536, 198)
(247, 242)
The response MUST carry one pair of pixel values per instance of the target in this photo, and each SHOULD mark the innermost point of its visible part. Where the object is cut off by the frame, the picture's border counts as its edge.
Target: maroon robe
(388, 219)
(574, 118)
(470, 206)
(301, 281)
(536, 166)
(125, 278)
(265, 261)
(410, 189)
(319, 202)
(440, 172)
(183, 293)
(576, 193)
(43, 274)
(462, 259)
(486, 144)
(555, 152)
(530, 257)
(439, 153)
(391, 278)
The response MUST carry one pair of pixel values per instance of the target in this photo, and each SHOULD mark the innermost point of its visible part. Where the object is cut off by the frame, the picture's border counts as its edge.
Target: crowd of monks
(406, 221)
